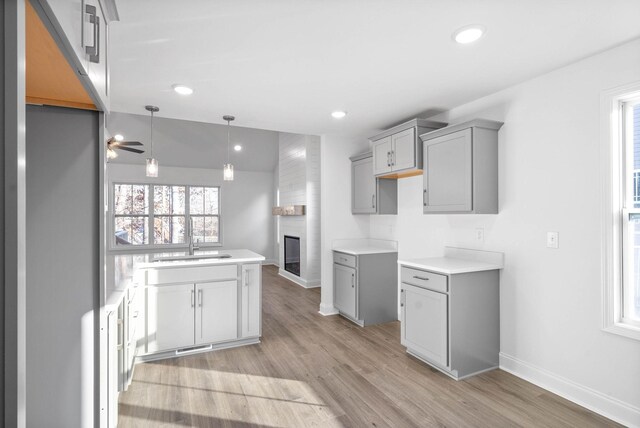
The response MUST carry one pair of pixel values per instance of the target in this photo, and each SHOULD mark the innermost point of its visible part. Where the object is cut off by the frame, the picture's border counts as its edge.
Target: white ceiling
(286, 64)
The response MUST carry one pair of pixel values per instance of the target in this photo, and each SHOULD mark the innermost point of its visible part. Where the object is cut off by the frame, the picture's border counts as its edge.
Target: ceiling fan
(117, 143)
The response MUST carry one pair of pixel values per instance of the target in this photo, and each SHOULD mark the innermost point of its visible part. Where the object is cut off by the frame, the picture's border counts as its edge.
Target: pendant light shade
(227, 172)
(152, 163)
(152, 167)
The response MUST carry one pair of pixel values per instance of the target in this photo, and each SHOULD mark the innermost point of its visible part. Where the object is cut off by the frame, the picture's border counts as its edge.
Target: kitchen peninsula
(170, 304)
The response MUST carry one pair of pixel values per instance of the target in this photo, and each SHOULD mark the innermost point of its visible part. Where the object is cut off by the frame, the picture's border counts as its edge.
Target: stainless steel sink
(193, 257)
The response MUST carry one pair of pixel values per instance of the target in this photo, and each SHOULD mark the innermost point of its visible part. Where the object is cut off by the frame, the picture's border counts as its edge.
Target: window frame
(151, 218)
(617, 192)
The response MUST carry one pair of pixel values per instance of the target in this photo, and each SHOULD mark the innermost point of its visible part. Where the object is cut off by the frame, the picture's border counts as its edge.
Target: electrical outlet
(553, 240)
(480, 234)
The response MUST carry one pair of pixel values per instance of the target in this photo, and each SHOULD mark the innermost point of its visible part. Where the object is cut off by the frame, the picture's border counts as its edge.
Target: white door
(170, 317)
(363, 187)
(448, 173)
(424, 323)
(382, 156)
(251, 295)
(404, 150)
(344, 289)
(216, 312)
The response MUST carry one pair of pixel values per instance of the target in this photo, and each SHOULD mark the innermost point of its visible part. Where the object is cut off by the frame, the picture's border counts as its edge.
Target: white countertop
(361, 246)
(449, 265)
(365, 249)
(237, 256)
(123, 268)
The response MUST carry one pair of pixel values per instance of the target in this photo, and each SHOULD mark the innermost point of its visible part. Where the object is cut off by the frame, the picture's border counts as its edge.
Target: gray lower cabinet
(451, 322)
(461, 168)
(365, 287)
(371, 195)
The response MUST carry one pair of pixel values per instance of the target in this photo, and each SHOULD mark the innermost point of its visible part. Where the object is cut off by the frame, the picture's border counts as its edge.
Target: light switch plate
(553, 240)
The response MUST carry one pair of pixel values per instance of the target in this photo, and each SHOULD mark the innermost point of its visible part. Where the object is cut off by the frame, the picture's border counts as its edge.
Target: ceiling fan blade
(130, 149)
(129, 143)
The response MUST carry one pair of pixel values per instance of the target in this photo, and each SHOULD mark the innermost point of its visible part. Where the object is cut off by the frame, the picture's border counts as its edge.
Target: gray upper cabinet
(398, 151)
(371, 195)
(80, 28)
(461, 168)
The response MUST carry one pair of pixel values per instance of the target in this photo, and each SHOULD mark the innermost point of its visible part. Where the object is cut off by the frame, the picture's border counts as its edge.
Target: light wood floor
(320, 371)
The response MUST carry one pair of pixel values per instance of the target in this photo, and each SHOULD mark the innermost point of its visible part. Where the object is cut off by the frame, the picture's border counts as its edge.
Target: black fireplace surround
(292, 254)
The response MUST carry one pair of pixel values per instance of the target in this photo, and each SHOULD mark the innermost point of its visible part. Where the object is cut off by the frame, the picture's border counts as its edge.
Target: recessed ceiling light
(118, 137)
(237, 147)
(468, 34)
(339, 114)
(182, 89)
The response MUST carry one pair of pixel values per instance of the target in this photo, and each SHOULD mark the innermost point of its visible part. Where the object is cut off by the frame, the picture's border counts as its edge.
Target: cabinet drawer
(191, 274)
(424, 279)
(344, 259)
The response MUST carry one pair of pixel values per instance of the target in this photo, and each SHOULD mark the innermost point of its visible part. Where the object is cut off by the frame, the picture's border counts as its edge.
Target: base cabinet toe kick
(451, 321)
(195, 309)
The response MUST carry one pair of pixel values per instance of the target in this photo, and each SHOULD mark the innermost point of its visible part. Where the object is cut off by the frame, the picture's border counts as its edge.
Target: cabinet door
(216, 312)
(71, 23)
(363, 187)
(170, 317)
(448, 173)
(344, 290)
(424, 323)
(404, 150)
(382, 156)
(112, 370)
(97, 63)
(251, 296)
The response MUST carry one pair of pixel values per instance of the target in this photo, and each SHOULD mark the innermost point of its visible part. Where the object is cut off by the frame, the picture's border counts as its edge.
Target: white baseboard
(327, 310)
(598, 402)
(270, 262)
(301, 282)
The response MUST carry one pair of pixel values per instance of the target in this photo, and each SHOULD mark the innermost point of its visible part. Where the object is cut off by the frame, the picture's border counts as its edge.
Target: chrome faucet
(192, 247)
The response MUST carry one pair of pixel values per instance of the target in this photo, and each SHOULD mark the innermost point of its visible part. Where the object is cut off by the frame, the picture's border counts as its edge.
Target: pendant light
(152, 163)
(228, 168)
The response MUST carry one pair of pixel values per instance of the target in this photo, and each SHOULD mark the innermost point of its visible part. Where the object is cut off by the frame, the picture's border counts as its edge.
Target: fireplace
(292, 254)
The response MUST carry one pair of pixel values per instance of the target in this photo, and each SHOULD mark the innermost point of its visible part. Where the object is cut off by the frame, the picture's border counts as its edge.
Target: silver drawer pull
(421, 278)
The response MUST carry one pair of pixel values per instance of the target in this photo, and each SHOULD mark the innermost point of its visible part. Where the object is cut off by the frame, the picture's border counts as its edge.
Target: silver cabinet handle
(388, 158)
(193, 298)
(200, 298)
(421, 278)
(94, 50)
(373, 201)
(393, 157)
(353, 280)
(424, 197)
(402, 305)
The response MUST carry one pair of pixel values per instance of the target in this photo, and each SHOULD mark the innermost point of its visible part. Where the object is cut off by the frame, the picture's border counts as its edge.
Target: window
(630, 310)
(621, 211)
(161, 215)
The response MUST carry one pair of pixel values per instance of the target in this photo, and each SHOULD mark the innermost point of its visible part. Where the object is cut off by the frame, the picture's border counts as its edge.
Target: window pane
(635, 135)
(168, 229)
(196, 201)
(140, 199)
(168, 200)
(205, 229)
(210, 200)
(131, 231)
(122, 198)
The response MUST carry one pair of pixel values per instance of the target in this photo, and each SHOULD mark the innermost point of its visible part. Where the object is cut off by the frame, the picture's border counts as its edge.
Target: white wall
(245, 202)
(299, 184)
(337, 222)
(549, 181)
